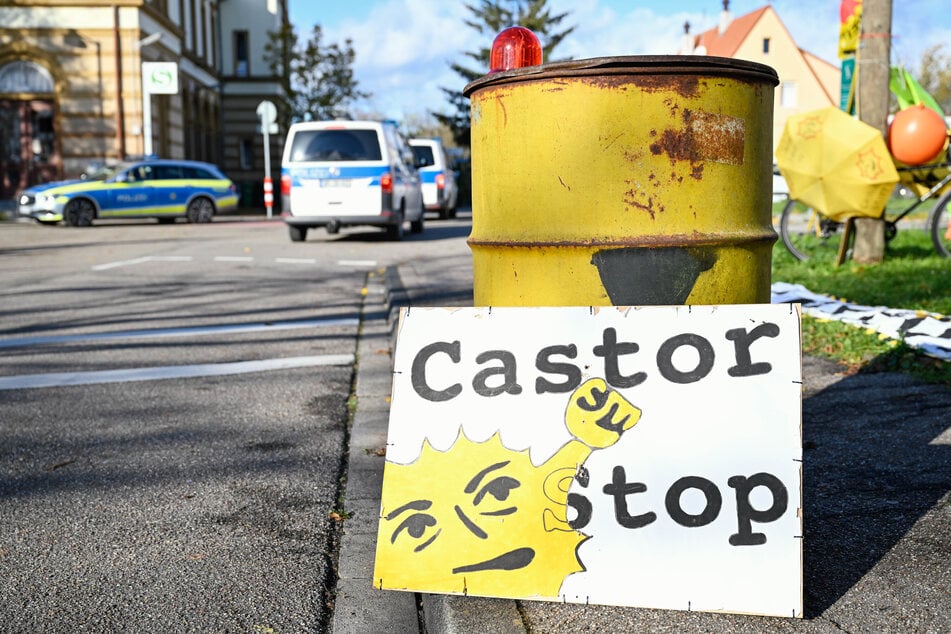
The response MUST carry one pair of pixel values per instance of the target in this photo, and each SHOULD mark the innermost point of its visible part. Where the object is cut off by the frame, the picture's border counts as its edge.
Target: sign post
(267, 115)
(158, 78)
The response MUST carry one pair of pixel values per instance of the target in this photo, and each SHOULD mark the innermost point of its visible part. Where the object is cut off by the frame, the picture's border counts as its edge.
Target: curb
(360, 608)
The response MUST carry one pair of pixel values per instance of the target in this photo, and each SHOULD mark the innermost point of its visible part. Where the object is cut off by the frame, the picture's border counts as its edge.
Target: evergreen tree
(488, 18)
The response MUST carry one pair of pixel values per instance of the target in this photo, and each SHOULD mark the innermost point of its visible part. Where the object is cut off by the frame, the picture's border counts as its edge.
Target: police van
(346, 173)
(440, 192)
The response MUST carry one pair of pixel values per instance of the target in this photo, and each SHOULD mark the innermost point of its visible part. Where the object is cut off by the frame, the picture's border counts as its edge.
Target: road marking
(61, 379)
(149, 258)
(112, 265)
(222, 258)
(193, 331)
(356, 262)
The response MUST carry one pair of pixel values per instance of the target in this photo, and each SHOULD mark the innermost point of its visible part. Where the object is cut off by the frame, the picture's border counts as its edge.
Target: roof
(727, 44)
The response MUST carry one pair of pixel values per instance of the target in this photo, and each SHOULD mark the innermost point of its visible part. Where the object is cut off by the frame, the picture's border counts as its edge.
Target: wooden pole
(872, 65)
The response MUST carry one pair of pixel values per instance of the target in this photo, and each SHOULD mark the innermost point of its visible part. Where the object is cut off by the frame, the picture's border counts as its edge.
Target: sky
(404, 47)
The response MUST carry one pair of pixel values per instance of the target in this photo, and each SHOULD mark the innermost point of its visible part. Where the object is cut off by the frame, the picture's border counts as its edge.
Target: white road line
(15, 342)
(60, 379)
(150, 258)
(112, 265)
(223, 258)
(356, 262)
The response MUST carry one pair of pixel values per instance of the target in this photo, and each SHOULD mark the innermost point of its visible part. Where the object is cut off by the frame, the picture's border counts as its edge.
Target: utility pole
(872, 65)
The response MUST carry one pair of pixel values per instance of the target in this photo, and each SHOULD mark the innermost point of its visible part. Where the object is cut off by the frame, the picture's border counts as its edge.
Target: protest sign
(625, 456)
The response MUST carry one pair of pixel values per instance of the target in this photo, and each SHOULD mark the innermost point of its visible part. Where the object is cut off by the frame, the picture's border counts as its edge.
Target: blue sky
(404, 47)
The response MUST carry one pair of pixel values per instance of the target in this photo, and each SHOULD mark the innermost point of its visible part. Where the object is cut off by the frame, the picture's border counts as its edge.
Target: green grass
(912, 276)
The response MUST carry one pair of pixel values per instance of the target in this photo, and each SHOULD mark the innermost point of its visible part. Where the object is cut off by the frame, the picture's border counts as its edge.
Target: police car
(157, 188)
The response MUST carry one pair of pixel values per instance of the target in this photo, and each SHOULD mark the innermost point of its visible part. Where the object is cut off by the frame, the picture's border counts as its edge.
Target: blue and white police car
(155, 188)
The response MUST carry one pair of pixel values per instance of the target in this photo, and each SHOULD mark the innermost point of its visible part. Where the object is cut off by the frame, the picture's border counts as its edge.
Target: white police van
(440, 192)
(345, 173)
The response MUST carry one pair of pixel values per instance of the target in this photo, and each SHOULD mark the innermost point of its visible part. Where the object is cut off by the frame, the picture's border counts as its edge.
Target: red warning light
(515, 47)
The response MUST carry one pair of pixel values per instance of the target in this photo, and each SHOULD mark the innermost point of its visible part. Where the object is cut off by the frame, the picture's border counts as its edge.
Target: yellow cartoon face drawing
(482, 519)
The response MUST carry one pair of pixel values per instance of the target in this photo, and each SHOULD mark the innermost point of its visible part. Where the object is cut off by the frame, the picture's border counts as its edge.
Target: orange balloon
(916, 135)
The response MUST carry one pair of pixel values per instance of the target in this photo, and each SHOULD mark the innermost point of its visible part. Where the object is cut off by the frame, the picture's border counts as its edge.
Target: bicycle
(807, 233)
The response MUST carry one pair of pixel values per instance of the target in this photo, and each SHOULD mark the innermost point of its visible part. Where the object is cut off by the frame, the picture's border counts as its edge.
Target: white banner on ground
(928, 332)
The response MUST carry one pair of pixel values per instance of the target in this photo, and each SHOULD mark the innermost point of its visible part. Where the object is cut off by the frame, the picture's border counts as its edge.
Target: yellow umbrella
(836, 164)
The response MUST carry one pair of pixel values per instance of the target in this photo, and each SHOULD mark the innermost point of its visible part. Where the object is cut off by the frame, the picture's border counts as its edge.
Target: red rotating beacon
(514, 47)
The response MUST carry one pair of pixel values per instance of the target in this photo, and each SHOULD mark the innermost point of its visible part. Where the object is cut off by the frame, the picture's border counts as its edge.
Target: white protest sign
(625, 456)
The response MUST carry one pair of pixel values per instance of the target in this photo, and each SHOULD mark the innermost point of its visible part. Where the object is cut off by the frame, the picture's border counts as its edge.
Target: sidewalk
(877, 476)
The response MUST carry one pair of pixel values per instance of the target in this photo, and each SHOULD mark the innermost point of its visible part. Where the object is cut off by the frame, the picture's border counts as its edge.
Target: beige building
(72, 91)
(806, 81)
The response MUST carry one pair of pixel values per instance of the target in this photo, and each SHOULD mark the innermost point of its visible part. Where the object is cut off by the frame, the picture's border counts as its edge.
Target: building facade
(73, 92)
(807, 82)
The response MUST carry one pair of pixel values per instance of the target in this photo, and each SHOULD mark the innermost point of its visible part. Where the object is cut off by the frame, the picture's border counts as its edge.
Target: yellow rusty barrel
(623, 181)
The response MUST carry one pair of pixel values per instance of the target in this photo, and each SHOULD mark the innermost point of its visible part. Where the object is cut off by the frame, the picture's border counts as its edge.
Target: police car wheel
(79, 213)
(200, 210)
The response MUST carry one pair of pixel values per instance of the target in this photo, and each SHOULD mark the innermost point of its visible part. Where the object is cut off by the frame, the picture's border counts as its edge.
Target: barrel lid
(699, 65)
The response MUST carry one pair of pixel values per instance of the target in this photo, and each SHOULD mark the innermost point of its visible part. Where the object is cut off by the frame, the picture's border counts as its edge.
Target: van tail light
(285, 184)
(386, 183)
(440, 181)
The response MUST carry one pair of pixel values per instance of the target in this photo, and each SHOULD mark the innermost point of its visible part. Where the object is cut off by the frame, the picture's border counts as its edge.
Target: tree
(316, 77)
(935, 75)
(488, 18)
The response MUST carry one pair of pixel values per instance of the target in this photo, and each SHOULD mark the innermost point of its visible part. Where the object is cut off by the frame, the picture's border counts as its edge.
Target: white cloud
(404, 48)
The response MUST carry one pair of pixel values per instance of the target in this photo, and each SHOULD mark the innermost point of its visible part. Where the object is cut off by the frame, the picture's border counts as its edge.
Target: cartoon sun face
(471, 521)
(481, 519)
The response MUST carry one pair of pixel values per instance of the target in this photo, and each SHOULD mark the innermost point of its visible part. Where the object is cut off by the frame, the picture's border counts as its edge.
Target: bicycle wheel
(808, 234)
(940, 225)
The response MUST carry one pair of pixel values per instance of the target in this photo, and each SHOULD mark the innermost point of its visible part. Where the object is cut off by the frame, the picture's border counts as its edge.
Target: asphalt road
(173, 421)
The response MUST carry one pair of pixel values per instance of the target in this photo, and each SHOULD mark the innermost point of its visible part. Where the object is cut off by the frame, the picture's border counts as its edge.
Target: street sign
(267, 116)
(160, 78)
(267, 112)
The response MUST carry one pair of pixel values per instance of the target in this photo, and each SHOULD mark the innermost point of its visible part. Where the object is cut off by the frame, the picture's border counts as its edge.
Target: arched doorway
(27, 133)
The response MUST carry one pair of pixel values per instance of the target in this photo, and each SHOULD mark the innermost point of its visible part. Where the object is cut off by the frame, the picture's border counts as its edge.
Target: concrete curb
(359, 607)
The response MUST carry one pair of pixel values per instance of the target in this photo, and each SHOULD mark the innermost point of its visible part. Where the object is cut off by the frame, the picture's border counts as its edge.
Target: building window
(765, 45)
(241, 54)
(23, 76)
(247, 154)
(787, 94)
